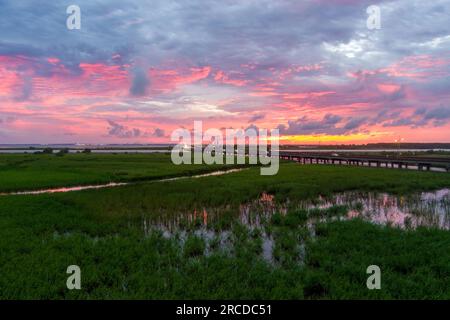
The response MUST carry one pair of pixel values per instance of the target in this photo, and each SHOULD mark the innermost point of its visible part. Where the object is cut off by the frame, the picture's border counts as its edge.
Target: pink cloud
(221, 77)
(168, 80)
(388, 87)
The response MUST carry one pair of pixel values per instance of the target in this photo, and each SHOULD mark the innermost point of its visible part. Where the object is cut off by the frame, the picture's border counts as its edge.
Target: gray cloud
(121, 131)
(266, 33)
(159, 133)
(282, 32)
(421, 117)
(306, 126)
(355, 123)
(256, 117)
(440, 113)
(330, 124)
(140, 83)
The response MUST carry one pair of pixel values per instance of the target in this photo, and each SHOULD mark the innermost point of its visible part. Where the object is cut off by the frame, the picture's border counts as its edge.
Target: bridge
(419, 163)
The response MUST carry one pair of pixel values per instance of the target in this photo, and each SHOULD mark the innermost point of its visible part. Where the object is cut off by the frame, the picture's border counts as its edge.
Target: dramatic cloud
(355, 123)
(438, 113)
(304, 126)
(159, 133)
(256, 117)
(121, 131)
(311, 68)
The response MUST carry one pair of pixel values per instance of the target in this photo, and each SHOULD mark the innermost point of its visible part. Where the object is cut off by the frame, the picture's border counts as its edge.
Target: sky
(137, 70)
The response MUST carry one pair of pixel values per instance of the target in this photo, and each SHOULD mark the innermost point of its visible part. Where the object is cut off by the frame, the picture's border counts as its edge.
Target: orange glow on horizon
(334, 139)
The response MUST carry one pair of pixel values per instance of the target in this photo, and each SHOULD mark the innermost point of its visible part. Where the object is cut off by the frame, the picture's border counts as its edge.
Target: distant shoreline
(435, 146)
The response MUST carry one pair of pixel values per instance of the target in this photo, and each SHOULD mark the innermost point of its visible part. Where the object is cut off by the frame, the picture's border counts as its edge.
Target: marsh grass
(21, 172)
(281, 255)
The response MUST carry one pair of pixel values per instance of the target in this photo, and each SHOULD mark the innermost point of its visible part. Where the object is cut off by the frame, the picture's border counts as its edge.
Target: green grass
(414, 264)
(38, 171)
(102, 232)
(293, 182)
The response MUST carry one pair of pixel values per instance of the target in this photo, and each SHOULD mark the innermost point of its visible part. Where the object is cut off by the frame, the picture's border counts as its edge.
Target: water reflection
(64, 189)
(210, 174)
(113, 184)
(429, 209)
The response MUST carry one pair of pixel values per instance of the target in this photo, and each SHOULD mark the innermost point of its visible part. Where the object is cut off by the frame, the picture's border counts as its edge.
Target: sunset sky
(137, 70)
